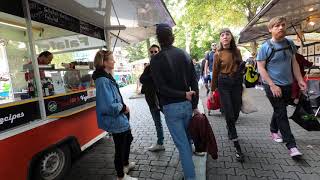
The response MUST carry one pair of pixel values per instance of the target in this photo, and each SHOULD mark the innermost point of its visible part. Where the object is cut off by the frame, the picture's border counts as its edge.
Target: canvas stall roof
(139, 16)
(302, 15)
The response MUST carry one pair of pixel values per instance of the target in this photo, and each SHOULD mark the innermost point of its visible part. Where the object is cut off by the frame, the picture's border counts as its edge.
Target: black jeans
(122, 142)
(279, 120)
(230, 90)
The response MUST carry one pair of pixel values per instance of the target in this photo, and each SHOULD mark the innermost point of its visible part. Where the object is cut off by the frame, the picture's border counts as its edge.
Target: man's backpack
(274, 50)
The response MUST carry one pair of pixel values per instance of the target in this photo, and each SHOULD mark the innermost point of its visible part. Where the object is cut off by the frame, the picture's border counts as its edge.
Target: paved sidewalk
(96, 163)
(265, 159)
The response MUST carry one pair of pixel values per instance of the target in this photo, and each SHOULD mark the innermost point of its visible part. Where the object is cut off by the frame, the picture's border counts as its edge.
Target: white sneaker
(156, 147)
(127, 177)
(294, 152)
(129, 167)
(199, 153)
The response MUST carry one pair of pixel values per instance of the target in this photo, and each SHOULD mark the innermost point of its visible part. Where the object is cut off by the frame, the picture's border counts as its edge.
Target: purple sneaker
(294, 152)
(276, 137)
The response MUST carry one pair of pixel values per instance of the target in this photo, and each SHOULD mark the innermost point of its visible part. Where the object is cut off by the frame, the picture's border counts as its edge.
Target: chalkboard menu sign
(41, 13)
(91, 30)
(46, 15)
(16, 115)
(13, 7)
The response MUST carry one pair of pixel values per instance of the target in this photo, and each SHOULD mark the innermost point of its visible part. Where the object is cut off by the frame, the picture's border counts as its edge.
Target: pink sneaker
(276, 137)
(294, 152)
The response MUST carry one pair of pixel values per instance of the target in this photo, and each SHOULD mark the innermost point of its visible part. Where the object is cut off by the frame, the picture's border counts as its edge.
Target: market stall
(303, 27)
(47, 104)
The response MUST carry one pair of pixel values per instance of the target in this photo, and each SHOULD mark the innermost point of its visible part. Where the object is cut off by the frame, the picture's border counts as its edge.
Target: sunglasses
(153, 52)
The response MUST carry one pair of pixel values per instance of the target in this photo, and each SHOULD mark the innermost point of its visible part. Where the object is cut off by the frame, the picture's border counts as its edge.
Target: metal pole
(107, 23)
(35, 66)
(148, 44)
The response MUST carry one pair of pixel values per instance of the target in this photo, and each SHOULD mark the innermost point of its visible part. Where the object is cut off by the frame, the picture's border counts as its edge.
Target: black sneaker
(239, 156)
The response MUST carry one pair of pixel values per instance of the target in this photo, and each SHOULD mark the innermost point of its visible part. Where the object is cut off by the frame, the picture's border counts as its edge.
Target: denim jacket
(109, 107)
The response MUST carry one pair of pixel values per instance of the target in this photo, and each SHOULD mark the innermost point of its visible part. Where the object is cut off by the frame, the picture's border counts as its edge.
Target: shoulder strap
(274, 50)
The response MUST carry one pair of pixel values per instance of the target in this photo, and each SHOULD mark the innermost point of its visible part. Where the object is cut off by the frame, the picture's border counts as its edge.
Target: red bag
(216, 101)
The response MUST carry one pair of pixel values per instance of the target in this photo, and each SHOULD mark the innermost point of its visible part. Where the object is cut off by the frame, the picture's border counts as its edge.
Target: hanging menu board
(91, 30)
(41, 13)
(47, 15)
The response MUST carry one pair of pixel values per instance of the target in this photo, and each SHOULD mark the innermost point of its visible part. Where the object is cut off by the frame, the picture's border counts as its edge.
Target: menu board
(47, 15)
(41, 13)
(91, 30)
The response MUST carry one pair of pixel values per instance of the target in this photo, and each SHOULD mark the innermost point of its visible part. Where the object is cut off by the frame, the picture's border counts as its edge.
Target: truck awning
(301, 15)
(138, 16)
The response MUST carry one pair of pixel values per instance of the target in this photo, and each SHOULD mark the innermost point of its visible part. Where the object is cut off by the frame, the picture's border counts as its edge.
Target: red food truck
(47, 110)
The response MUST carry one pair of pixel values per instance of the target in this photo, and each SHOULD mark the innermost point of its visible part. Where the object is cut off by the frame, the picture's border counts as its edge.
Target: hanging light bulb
(312, 23)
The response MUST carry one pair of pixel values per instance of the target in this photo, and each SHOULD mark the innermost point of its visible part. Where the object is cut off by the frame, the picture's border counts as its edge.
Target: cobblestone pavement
(265, 159)
(96, 163)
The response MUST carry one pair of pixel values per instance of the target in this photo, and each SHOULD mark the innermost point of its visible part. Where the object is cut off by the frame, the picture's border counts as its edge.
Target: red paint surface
(17, 151)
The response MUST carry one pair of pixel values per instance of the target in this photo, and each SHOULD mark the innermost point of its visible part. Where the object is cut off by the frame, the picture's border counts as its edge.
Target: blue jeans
(155, 113)
(178, 116)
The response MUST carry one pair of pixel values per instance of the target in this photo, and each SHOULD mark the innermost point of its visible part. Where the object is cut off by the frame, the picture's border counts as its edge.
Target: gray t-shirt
(280, 65)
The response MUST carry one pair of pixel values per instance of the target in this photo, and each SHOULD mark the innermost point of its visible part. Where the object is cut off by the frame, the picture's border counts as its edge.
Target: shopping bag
(214, 103)
(247, 106)
(303, 115)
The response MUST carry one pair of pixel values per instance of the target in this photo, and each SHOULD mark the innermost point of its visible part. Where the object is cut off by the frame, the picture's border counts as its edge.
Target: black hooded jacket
(173, 74)
(149, 89)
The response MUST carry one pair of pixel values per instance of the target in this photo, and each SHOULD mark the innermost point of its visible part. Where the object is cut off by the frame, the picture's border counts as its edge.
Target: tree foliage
(136, 51)
(204, 18)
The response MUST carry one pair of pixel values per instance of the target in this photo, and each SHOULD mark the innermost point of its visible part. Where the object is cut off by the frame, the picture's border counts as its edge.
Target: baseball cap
(163, 27)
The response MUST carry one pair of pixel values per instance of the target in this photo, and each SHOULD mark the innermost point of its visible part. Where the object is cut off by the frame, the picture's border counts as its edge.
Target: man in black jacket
(149, 89)
(175, 78)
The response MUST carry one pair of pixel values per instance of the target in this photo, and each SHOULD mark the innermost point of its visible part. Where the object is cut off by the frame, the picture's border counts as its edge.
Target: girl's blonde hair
(101, 56)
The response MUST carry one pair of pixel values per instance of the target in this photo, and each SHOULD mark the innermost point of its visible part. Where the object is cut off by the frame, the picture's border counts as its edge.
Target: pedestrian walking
(277, 64)
(197, 68)
(112, 113)
(209, 63)
(227, 77)
(150, 92)
(175, 78)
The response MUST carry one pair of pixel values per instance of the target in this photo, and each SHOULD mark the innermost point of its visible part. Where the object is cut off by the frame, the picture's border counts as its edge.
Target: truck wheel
(53, 164)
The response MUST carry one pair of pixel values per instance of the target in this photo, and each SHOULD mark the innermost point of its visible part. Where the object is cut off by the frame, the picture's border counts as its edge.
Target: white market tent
(303, 16)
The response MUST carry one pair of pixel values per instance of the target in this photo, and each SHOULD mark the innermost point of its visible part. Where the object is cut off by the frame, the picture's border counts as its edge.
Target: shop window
(18, 98)
(72, 64)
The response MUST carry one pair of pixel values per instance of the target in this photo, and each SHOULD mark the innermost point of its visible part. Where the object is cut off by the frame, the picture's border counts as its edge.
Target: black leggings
(122, 142)
(230, 90)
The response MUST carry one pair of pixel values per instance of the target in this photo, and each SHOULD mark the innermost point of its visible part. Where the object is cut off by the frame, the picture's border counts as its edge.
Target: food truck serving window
(17, 106)
(66, 76)
(65, 61)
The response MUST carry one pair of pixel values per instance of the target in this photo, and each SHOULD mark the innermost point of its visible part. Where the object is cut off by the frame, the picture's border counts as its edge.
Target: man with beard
(277, 64)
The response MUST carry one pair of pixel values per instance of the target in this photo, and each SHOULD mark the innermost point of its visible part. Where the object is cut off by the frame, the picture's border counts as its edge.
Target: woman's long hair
(233, 47)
